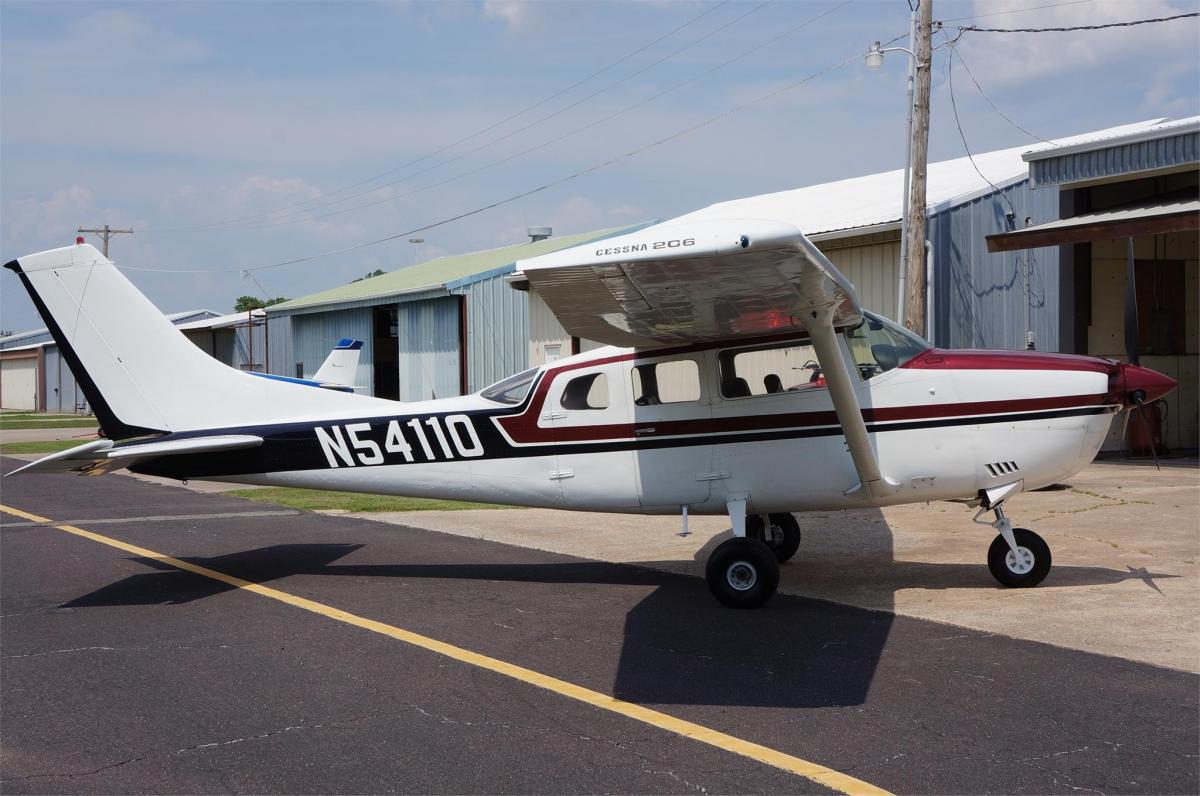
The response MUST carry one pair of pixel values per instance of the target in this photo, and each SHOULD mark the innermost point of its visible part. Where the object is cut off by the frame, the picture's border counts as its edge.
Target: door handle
(645, 430)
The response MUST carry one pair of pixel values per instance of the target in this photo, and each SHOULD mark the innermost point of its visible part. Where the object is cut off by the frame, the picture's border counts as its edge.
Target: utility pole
(914, 315)
(106, 234)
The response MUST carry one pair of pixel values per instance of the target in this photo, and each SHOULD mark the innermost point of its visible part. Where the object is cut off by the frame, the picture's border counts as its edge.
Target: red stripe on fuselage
(523, 428)
(968, 359)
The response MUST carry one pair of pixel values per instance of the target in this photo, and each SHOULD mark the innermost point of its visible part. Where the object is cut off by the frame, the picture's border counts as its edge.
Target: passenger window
(763, 370)
(586, 392)
(672, 382)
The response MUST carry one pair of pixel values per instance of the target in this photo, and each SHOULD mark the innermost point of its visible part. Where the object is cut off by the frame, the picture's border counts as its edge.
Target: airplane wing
(101, 455)
(681, 283)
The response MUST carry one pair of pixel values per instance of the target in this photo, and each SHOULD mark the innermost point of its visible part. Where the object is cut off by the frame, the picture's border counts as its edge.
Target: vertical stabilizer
(139, 373)
(341, 366)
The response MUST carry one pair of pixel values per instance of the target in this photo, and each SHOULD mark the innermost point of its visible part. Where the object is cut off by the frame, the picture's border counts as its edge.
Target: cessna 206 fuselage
(582, 434)
(754, 386)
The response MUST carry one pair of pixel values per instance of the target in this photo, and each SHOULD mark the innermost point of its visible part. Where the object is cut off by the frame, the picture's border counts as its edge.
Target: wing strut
(871, 482)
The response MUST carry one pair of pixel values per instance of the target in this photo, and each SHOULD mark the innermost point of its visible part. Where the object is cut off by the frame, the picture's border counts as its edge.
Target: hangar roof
(863, 204)
(38, 336)
(444, 272)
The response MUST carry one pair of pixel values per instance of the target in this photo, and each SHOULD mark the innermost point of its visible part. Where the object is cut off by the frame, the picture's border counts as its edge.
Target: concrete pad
(1125, 540)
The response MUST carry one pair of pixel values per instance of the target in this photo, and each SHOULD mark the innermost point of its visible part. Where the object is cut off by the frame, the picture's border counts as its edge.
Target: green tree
(247, 303)
(377, 272)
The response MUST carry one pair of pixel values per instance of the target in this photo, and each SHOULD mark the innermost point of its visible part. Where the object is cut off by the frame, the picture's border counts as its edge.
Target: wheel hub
(741, 576)
(1019, 562)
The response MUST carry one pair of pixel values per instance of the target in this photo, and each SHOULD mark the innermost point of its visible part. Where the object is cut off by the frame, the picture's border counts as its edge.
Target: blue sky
(172, 117)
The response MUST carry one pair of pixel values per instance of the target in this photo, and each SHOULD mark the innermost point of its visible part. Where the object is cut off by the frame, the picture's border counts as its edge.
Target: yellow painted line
(836, 780)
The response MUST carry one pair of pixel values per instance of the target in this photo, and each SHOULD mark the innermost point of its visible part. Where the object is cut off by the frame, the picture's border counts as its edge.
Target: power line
(507, 200)
(301, 219)
(983, 93)
(1131, 23)
(1019, 10)
(473, 135)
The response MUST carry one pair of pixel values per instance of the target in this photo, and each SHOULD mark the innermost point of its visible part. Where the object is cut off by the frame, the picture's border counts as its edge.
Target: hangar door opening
(430, 348)
(18, 383)
(386, 357)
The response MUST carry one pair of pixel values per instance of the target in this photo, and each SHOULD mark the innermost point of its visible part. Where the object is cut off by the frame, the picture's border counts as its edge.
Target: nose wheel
(1017, 557)
(742, 573)
(1026, 566)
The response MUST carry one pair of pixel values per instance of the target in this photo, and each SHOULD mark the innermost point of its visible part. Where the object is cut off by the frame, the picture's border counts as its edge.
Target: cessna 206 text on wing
(742, 378)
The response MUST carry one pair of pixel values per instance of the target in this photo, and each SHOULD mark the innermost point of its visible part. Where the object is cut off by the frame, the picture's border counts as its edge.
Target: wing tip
(14, 266)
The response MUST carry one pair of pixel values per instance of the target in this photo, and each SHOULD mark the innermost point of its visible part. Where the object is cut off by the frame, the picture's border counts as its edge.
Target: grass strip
(40, 446)
(326, 500)
(8, 424)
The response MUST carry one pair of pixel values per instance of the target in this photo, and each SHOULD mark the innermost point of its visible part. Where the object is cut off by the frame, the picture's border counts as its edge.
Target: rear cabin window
(764, 370)
(586, 392)
(673, 382)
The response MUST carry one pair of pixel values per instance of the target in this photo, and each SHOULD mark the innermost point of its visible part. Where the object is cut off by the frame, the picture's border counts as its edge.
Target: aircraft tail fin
(140, 374)
(341, 366)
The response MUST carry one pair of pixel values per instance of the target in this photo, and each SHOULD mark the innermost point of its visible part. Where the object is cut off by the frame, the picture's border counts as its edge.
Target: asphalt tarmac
(123, 672)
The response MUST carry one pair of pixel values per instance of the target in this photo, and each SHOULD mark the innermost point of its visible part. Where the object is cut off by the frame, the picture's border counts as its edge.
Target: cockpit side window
(879, 345)
(769, 369)
(586, 392)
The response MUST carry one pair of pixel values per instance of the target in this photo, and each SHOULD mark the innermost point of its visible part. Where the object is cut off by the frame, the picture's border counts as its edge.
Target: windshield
(512, 390)
(879, 345)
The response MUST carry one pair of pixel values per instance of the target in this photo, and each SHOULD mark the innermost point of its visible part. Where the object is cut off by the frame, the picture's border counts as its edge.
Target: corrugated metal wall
(314, 335)
(279, 333)
(871, 262)
(1161, 153)
(545, 333)
(497, 342)
(979, 297)
(428, 332)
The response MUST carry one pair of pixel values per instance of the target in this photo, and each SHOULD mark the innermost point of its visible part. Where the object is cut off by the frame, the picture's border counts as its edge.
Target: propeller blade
(1131, 313)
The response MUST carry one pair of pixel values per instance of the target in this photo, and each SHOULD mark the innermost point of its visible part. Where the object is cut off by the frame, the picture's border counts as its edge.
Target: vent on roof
(538, 233)
(998, 469)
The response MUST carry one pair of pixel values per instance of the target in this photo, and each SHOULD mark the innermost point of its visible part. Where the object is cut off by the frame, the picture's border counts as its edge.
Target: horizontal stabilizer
(101, 456)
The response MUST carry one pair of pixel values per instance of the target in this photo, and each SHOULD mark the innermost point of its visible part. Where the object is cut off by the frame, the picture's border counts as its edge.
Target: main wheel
(742, 573)
(782, 535)
(1028, 567)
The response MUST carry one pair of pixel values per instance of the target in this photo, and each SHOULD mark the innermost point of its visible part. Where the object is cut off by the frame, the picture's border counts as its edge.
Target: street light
(415, 242)
(874, 60)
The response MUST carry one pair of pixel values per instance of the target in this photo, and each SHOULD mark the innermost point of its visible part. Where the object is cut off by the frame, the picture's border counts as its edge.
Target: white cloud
(108, 39)
(1013, 59)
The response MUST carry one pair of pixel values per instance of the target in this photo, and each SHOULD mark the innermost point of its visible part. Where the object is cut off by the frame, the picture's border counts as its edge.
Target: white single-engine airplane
(749, 382)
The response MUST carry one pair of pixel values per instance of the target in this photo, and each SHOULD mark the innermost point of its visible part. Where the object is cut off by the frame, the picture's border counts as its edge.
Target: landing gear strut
(743, 572)
(780, 532)
(1017, 557)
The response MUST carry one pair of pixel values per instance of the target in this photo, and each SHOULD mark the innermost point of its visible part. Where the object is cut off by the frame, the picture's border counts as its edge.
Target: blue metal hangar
(449, 326)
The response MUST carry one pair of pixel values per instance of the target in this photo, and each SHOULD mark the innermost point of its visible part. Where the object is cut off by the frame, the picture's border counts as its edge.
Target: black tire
(784, 539)
(999, 561)
(742, 573)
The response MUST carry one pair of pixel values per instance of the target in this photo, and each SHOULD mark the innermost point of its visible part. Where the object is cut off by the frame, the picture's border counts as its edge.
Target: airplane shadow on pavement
(679, 646)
